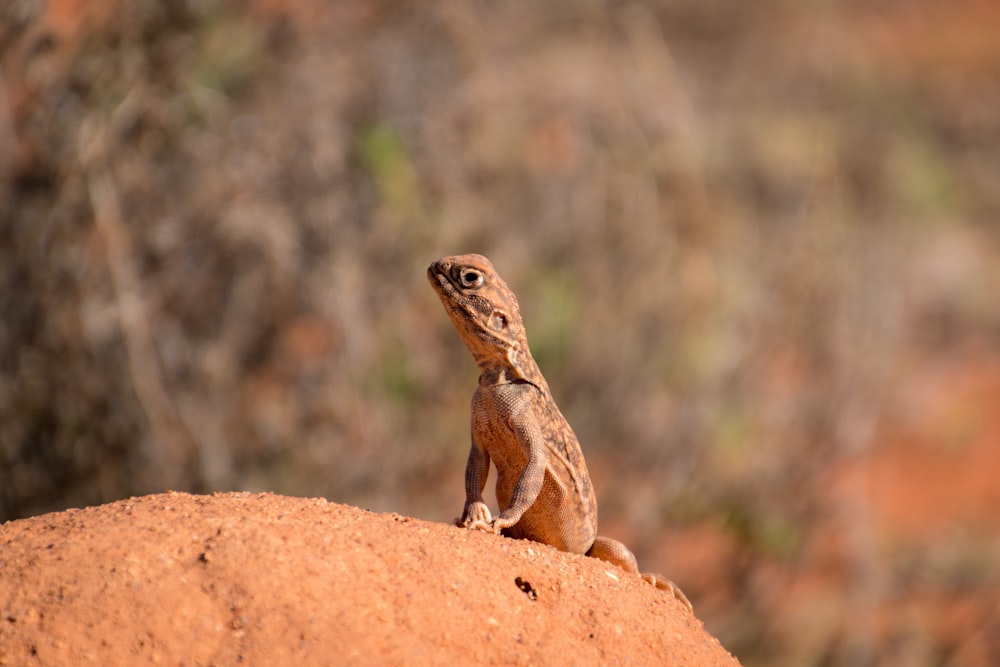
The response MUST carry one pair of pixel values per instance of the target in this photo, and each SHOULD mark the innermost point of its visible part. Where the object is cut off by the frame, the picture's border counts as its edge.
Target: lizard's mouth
(438, 277)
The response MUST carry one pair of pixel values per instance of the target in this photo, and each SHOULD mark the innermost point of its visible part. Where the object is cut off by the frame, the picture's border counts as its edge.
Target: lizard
(543, 488)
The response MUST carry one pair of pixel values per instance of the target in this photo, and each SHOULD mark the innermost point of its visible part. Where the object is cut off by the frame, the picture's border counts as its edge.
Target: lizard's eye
(470, 278)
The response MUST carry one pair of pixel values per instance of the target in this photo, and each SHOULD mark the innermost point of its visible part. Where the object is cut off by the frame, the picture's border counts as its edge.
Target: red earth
(266, 579)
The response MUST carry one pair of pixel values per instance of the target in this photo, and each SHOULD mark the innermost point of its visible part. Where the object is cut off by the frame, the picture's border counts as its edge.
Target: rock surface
(264, 579)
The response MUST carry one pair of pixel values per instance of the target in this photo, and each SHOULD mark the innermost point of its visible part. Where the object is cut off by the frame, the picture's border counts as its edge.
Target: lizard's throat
(499, 365)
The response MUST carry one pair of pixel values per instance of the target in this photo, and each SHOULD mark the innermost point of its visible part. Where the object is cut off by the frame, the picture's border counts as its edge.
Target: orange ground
(265, 579)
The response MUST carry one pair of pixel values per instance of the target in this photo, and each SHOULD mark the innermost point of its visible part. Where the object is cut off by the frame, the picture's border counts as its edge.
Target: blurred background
(756, 245)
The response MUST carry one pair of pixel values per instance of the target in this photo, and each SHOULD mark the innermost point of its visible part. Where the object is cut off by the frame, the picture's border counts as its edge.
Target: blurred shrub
(216, 217)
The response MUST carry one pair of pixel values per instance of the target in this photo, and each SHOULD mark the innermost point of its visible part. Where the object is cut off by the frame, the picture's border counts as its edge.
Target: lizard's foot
(485, 524)
(666, 585)
(477, 517)
(500, 523)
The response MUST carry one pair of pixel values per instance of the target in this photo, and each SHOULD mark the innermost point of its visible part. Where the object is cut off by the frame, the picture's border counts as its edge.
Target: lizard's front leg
(476, 514)
(529, 483)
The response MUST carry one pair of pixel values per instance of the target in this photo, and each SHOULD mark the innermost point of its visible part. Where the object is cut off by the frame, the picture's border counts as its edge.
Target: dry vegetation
(741, 234)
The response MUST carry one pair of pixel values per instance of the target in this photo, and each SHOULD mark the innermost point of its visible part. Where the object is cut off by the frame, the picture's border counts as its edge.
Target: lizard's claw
(500, 523)
(477, 517)
(485, 526)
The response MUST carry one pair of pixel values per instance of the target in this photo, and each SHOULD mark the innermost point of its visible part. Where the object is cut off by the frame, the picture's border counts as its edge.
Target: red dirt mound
(264, 579)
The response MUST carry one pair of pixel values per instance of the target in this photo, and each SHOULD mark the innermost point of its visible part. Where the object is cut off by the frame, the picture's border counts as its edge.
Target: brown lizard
(543, 488)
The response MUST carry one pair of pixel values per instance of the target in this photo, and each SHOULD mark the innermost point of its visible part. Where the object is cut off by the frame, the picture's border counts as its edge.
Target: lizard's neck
(516, 364)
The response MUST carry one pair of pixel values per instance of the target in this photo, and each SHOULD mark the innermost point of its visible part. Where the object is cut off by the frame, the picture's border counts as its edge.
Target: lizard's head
(484, 311)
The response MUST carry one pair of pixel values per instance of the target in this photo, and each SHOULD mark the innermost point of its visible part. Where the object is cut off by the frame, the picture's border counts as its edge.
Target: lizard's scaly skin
(543, 487)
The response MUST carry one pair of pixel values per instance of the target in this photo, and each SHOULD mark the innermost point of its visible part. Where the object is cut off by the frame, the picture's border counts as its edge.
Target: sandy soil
(263, 579)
